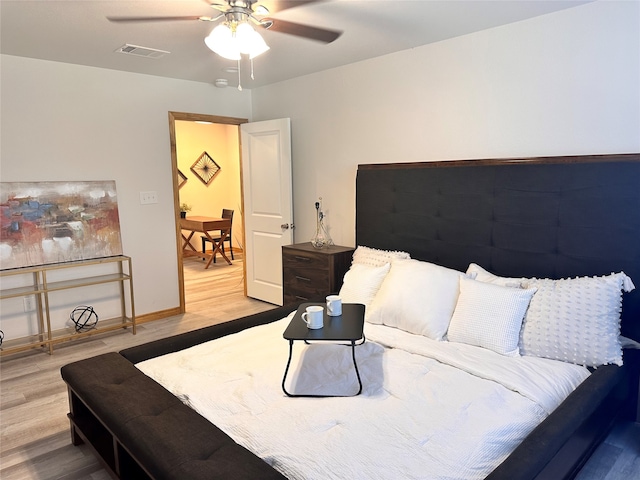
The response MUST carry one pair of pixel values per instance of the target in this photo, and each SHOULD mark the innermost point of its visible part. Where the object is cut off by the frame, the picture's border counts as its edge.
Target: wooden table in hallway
(205, 225)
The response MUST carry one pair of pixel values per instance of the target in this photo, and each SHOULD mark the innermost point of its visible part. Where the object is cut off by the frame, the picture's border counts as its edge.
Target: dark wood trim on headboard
(545, 217)
(616, 157)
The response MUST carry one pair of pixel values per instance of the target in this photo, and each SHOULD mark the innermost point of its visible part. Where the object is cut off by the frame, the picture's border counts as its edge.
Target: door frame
(195, 117)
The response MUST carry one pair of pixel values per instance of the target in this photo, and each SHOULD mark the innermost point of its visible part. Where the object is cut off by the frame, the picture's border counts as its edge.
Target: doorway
(179, 179)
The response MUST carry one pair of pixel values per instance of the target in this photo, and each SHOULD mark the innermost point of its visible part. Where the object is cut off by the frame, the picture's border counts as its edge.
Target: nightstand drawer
(290, 298)
(307, 280)
(304, 276)
(304, 293)
(299, 260)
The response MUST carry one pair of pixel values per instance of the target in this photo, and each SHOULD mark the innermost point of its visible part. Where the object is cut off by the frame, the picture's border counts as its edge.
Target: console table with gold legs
(40, 283)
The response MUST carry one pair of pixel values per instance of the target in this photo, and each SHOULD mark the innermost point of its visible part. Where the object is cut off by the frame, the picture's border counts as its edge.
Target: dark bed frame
(547, 217)
(552, 217)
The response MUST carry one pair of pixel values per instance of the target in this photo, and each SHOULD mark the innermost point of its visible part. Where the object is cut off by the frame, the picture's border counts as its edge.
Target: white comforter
(428, 409)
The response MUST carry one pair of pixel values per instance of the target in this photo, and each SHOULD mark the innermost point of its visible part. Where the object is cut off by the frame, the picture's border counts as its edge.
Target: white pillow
(576, 320)
(375, 257)
(480, 274)
(417, 297)
(489, 316)
(361, 283)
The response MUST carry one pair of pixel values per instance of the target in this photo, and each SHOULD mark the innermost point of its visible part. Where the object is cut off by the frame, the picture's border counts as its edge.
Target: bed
(521, 228)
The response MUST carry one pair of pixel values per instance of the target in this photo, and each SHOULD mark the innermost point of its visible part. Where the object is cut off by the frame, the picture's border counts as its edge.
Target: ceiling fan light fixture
(229, 40)
(249, 41)
(222, 41)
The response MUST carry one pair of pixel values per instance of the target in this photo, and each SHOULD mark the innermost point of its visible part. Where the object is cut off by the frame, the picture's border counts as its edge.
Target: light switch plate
(29, 303)
(147, 198)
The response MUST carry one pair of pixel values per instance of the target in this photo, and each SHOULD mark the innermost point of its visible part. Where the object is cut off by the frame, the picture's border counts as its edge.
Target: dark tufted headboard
(551, 217)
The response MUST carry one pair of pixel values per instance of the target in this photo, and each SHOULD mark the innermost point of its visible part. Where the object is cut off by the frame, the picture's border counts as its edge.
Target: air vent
(141, 51)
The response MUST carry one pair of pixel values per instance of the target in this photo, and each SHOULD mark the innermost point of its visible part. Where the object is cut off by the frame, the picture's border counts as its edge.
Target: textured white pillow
(418, 297)
(576, 320)
(489, 316)
(480, 274)
(375, 257)
(361, 283)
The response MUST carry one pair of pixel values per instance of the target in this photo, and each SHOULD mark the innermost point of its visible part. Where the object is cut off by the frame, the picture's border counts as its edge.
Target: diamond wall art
(205, 168)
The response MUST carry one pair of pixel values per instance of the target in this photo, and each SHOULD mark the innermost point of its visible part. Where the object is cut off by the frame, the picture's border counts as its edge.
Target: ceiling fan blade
(218, 6)
(155, 19)
(313, 33)
(279, 5)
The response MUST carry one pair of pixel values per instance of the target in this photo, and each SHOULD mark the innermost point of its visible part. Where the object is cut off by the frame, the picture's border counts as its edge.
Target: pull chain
(239, 80)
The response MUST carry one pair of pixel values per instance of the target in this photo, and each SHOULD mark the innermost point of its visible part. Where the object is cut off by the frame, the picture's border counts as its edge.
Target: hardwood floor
(618, 457)
(35, 442)
(34, 430)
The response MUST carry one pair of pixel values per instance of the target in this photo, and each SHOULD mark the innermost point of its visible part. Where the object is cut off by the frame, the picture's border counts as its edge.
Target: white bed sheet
(417, 417)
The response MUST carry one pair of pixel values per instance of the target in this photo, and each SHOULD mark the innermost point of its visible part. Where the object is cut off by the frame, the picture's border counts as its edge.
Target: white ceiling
(78, 32)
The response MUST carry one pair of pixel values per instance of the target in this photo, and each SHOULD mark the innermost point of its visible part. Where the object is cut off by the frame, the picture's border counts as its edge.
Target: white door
(268, 205)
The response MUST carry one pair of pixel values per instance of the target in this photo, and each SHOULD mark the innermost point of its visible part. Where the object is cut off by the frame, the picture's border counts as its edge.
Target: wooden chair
(225, 214)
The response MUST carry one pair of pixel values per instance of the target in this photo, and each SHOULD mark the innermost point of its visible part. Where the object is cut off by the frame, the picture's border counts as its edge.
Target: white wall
(68, 122)
(560, 84)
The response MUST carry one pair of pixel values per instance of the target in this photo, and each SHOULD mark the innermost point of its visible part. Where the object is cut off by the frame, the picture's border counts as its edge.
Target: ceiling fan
(236, 12)
(234, 34)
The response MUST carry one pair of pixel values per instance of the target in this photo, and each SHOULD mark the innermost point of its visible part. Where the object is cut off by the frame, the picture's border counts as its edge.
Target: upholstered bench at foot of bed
(145, 431)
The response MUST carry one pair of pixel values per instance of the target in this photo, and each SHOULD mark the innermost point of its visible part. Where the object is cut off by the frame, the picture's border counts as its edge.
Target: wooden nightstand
(309, 273)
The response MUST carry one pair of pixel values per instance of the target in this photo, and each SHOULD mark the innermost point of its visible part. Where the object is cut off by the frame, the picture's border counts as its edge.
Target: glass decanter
(321, 238)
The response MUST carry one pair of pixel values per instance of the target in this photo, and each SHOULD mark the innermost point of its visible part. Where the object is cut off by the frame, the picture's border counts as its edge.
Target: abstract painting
(52, 222)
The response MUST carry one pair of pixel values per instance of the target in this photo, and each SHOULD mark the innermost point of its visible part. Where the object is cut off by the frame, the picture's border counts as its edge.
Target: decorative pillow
(375, 257)
(418, 297)
(361, 283)
(480, 274)
(489, 316)
(576, 320)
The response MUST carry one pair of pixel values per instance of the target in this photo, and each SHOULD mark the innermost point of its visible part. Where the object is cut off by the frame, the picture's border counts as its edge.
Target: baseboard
(150, 317)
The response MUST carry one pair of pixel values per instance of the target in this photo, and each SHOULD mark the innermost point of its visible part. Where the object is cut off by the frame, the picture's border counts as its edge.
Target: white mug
(314, 317)
(334, 306)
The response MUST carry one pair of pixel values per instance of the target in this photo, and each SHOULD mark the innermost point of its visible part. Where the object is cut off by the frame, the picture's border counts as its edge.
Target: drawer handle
(304, 279)
(302, 259)
(298, 297)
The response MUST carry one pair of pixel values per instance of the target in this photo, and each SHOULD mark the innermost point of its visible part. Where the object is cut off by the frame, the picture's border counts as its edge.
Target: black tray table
(347, 327)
